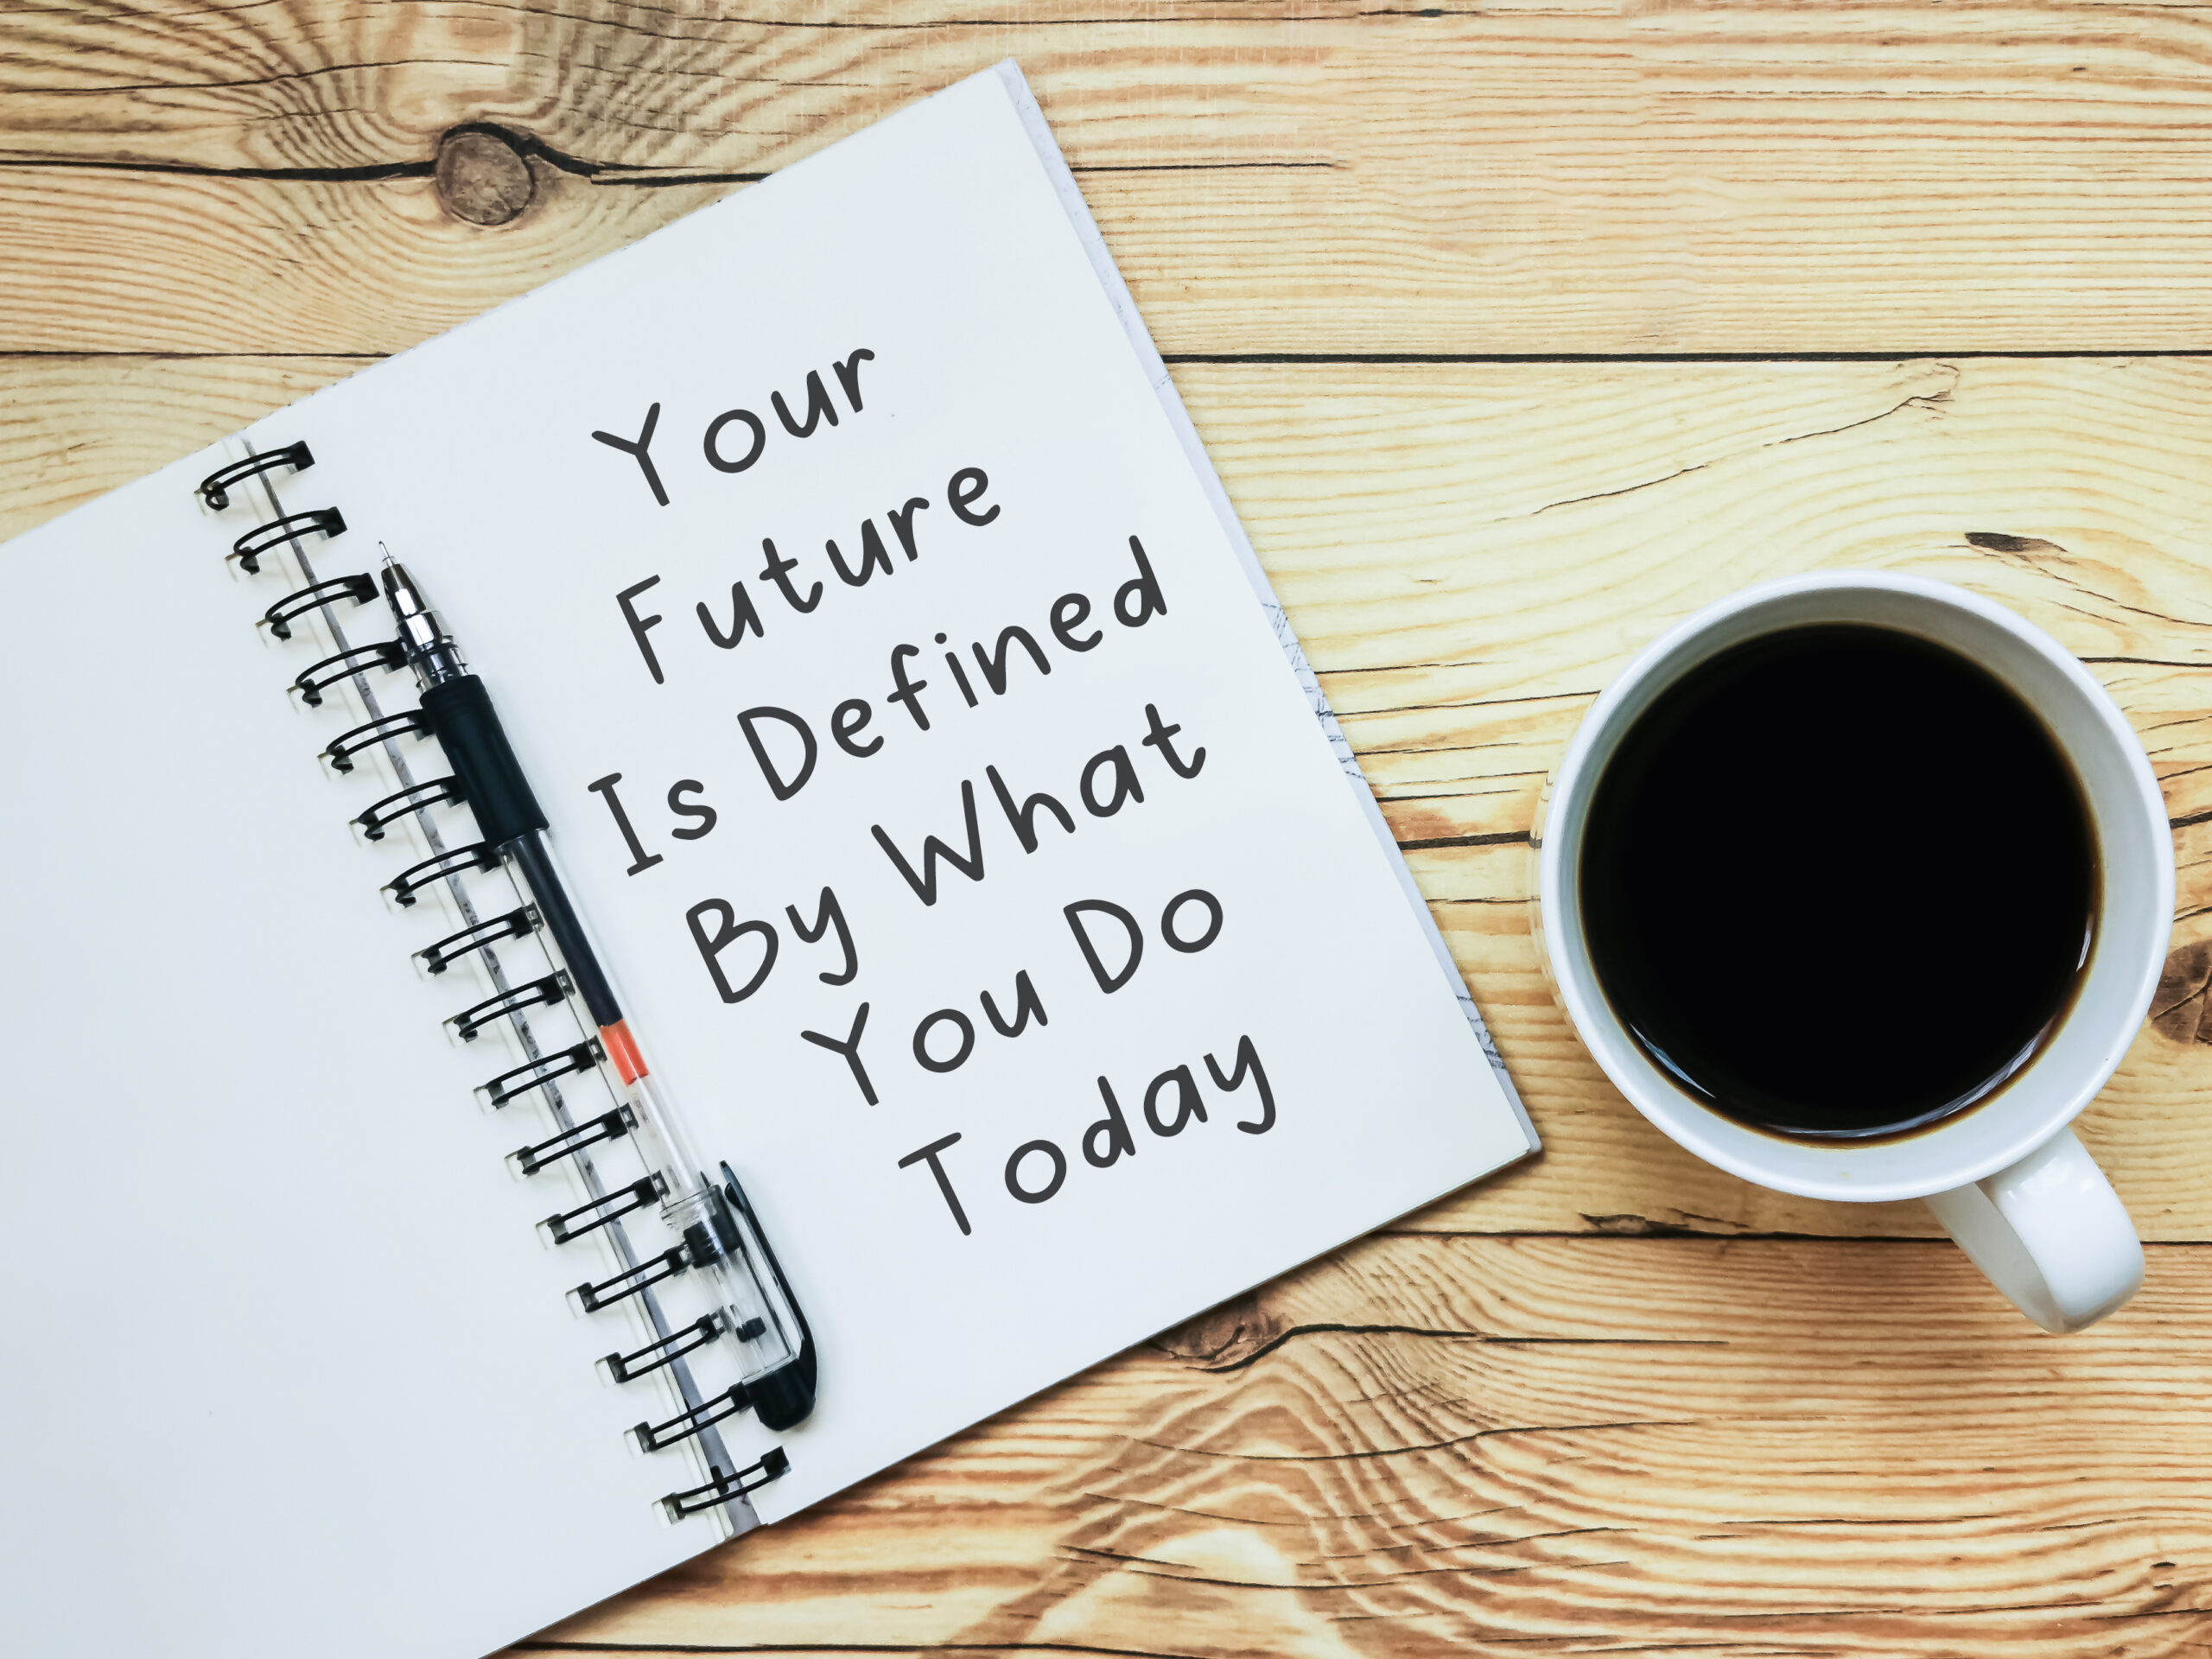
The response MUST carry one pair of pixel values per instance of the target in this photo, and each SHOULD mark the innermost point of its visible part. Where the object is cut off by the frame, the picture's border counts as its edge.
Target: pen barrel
(721, 1238)
(532, 857)
(468, 728)
(714, 1245)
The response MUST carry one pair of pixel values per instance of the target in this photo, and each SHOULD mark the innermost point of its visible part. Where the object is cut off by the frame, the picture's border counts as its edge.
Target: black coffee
(1839, 882)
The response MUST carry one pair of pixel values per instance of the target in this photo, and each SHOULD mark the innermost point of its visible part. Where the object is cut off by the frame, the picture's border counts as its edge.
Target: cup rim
(1923, 1162)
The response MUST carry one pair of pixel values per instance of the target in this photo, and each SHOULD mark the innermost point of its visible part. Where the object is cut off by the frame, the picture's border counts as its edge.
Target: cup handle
(2051, 1233)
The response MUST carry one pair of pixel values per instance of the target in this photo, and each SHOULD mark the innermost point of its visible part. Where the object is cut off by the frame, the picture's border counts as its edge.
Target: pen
(716, 1226)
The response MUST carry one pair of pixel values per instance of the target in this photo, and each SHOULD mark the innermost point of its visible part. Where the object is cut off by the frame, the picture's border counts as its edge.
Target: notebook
(975, 855)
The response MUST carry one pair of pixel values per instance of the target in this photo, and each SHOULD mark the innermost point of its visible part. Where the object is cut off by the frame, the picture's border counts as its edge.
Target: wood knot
(483, 177)
(2178, 1010)
(1227, 1338)
(1996, 542)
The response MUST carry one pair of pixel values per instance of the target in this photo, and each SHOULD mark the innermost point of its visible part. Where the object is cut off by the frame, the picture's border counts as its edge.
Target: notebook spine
(611, 1204)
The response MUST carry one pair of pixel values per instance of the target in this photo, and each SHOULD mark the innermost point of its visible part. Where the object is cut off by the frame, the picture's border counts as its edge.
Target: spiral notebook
(991, 889)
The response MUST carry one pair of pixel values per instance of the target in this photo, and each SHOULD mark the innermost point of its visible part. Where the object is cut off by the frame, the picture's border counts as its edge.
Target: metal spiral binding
(278, 618)
(215, 488)
(477, 855)
(267, 538)
(658, 1437)
(517, 924)
(722, 1488)
(622, 1286)
(613, 1126)
(386, 728)
(590, 1217)
(539, 993)
(543, 1071)
(644, 1362)
(416, 797)
(318, 678)
(536, 1074)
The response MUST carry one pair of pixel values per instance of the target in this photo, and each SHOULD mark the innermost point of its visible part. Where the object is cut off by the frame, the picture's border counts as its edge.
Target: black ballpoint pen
(715, 1224)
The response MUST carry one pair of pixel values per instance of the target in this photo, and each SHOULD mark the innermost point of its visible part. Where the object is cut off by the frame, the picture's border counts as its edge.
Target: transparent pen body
(720, 1239)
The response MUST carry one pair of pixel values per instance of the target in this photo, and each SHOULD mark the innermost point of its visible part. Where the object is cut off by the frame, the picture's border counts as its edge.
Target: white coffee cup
(2006, 1178)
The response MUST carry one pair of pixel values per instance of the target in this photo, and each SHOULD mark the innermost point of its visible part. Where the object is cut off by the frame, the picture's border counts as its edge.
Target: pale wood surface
(1527, 1420)
(1309, 175)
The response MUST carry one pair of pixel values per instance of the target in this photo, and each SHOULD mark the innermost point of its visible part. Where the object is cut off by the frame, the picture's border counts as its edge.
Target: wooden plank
(2013, 175)
(1471, 551)
(154, 264)
(74, 428)
(1431, 1446)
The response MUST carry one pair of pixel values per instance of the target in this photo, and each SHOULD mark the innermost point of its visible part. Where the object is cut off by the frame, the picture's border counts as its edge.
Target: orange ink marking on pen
(622, 1049)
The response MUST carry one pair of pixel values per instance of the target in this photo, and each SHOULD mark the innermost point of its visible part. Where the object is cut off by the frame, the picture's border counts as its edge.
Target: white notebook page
(1001, 388)
(288, 1363)
(937, 243)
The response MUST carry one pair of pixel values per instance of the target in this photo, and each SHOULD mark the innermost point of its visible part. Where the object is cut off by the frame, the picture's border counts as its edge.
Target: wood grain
(74, 427)
(1465, 603)
(1596, 1406)
(1290, 177)
(1469, 551)
(1436, 1446)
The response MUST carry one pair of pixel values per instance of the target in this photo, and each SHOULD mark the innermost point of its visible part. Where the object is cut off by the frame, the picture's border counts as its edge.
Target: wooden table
(1517, 333)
